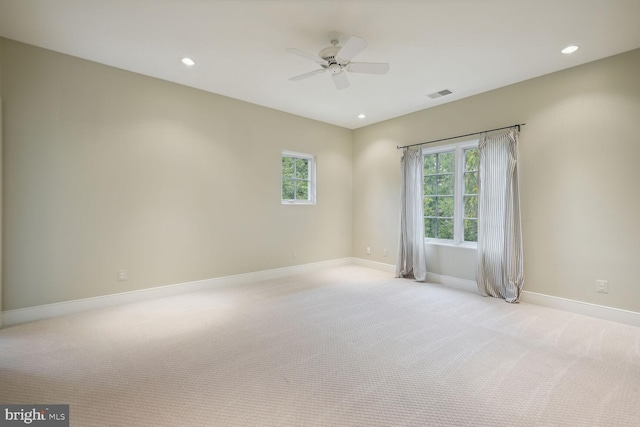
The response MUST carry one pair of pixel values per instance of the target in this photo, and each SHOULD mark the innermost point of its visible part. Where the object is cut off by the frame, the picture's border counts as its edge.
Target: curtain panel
(500, 259)
(411, 255)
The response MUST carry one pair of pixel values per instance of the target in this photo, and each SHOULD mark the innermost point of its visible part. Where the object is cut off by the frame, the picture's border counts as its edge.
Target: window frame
(311, 181)
(458, 204)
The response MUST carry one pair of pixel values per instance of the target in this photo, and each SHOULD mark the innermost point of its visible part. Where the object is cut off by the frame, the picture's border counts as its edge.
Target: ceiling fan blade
(351, 48)
(306, 55)
(340, 80)
(368, 67)
(309, 74)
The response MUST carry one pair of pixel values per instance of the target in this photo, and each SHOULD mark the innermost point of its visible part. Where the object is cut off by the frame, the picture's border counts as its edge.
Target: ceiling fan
(337, 60)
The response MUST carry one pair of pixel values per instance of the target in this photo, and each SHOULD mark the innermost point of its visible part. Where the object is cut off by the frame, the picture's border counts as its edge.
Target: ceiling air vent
(439, 94)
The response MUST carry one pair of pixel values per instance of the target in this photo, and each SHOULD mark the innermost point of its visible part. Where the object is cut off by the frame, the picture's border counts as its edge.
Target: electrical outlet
(122, 275)
(368, 250)
(602, 286)
(294, 254)
(386, 252)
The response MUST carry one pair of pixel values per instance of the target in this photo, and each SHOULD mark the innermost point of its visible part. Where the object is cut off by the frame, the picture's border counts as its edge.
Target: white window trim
(458, 210)
(312, 178)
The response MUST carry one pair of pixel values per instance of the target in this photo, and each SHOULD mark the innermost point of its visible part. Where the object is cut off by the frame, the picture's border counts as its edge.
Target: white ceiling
(467, 46)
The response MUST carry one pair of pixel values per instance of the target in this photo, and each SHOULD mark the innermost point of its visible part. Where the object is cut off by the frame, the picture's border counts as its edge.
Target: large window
(298, 178)
(451, 193)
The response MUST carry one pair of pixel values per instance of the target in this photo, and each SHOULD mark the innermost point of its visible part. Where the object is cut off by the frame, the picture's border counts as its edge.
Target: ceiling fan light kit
(337, 60)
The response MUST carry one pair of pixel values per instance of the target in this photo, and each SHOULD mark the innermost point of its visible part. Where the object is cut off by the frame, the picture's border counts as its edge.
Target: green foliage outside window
(470, 213)
(295, 178)
(439, 195)
(439, 190)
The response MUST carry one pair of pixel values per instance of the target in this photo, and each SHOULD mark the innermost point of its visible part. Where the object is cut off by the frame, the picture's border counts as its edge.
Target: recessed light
(361, 116)
(569, 49)
(188, 62)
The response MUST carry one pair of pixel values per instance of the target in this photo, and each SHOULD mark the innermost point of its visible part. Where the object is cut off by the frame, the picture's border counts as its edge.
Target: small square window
(298, 178)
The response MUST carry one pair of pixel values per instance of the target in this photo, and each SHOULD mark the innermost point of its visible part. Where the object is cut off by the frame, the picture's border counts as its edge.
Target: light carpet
(346, 346)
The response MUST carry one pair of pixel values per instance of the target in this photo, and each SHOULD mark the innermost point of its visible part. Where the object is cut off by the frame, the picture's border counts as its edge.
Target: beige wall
(107, 170)
(579, 178)
(1, 173)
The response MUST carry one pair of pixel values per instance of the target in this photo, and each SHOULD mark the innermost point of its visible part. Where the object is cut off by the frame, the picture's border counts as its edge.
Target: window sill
(297, 202)
(450, 243)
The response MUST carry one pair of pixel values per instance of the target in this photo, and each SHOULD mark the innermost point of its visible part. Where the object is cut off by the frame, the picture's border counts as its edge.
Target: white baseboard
(30, 314)
(448, 281)
(389, 268)
(453, 282)
(585, 308)
(572, 306)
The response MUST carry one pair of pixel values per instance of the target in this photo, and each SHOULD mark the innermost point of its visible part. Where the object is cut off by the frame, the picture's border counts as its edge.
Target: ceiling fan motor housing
(329, 54)
(335, 68)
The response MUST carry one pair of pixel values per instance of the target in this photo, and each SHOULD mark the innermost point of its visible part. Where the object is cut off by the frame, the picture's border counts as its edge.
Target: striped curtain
(500, 266)
(411, 256)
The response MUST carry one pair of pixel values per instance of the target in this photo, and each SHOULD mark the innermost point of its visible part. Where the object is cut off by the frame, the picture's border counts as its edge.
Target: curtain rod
(462, 136)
